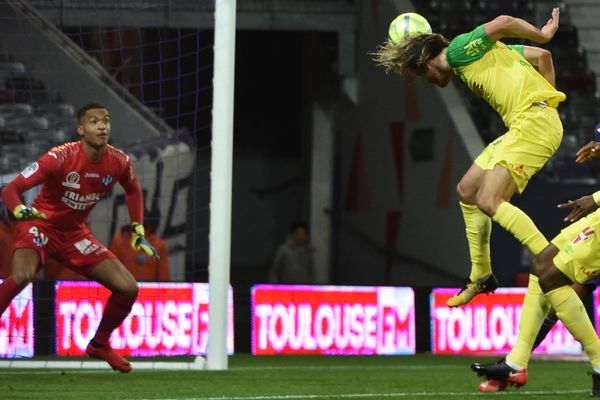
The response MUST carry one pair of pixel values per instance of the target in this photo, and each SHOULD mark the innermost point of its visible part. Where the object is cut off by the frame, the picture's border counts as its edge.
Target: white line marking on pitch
(15, 369)
(57, 371)
(57, 368)
(373, 395)
(362, 367)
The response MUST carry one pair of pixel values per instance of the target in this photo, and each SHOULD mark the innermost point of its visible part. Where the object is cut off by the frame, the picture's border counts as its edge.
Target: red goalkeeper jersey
(72, 184)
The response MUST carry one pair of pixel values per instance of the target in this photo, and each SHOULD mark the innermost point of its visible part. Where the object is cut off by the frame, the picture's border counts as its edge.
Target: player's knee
(552, 278)
(545, 281)
(23, 276)
(465, 193)
(538, 267)
(24, 266)
(487, 204)
(543, 262)
(128, 289)
(131, 290)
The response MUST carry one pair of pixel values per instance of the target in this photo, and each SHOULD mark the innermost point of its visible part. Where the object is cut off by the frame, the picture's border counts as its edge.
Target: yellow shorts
(532, 139)
(579, 247)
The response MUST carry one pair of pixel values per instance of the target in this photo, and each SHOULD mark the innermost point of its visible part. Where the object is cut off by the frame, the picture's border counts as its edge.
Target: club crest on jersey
(30, 170)
(72, 180)
(583, 235)
(86, 246)
(39, 238)
(107, 180)
(474, 47)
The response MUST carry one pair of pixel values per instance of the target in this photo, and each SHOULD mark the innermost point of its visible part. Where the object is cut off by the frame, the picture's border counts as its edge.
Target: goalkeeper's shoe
(486, 284)
(106, 353)
(499, 375)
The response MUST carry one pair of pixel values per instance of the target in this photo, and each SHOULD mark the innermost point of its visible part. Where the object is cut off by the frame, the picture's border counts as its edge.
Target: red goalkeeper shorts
(77, 249)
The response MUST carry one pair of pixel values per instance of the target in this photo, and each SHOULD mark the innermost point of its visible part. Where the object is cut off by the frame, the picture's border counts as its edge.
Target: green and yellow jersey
(500, 74)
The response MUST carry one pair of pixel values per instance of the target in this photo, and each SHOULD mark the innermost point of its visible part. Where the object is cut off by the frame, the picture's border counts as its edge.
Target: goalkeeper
(73, 178)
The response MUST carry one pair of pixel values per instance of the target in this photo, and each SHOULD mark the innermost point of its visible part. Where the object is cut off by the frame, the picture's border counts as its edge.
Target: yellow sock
(571, 312)
(521, 227)
(534, 311)
(479, 228)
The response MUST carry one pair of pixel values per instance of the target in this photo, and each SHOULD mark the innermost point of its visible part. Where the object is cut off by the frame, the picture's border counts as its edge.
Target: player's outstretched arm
(541, 59)
(506, 26)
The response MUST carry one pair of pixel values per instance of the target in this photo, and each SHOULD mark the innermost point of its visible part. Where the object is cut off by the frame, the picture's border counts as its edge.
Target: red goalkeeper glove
(139, 242)
(24, 213)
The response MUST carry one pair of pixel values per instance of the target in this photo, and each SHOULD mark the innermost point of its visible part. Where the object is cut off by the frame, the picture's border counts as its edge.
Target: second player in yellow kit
(579, 246)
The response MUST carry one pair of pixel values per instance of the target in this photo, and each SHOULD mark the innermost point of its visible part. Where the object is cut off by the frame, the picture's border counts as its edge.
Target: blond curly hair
(412, 53)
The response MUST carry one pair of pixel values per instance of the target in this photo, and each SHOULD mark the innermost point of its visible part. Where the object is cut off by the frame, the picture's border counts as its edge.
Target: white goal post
(221, 172)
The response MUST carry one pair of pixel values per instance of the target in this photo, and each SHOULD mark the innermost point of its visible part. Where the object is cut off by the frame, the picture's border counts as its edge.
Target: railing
(391, 255)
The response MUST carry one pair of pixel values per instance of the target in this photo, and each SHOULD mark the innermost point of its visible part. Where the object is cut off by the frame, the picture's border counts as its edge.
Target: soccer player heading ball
(518, 82)
(74, 177)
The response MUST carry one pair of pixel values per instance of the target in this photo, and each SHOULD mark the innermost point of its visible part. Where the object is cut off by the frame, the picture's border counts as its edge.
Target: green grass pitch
(422, 376)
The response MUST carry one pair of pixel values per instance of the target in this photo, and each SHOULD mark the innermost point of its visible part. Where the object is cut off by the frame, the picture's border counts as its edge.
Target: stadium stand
(28, 113)
(574, 74)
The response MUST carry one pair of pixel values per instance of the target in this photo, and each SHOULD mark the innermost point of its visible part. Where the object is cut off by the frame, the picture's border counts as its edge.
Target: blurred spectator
(293, 261)
(142, 266)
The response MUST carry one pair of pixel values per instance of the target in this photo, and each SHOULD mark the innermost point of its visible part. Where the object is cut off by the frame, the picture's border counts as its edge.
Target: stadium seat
(12, 155)
(566, 36)
(6, 96)
(9, 136)
(579, 81)
(12, 67)
(5, 56)
(495, 8)
(16, 109)
(57, 109)
(27, 89)
(23, 123)
(46, 138)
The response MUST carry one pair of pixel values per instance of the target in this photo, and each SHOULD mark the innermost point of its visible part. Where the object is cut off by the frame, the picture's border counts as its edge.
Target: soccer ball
(407, 24)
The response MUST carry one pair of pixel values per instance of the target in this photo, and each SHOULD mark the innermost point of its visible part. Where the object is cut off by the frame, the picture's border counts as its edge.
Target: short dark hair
(87, 107)
(298, 225)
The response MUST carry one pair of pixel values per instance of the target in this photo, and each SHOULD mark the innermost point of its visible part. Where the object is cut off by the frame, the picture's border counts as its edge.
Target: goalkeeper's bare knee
(25, 264)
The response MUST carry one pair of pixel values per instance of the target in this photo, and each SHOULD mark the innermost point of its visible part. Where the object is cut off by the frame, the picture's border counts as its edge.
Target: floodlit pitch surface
(299, 377)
